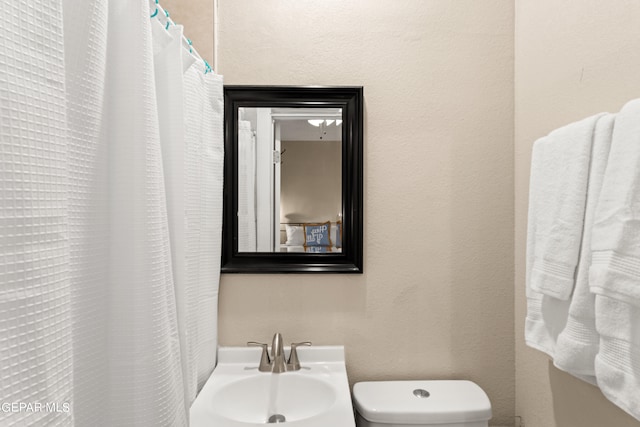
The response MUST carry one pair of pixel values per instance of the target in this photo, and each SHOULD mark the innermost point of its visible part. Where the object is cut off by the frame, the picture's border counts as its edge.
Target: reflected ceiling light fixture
(318, 122)
(322, 124)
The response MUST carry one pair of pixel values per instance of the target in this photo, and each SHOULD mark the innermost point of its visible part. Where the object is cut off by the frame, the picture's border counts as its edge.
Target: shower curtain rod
(159, 11)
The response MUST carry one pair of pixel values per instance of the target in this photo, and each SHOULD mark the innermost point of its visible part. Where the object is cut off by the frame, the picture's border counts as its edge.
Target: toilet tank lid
(445, 401)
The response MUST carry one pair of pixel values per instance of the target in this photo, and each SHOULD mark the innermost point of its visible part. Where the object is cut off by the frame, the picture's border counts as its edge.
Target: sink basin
(237, 394)
(255, 399)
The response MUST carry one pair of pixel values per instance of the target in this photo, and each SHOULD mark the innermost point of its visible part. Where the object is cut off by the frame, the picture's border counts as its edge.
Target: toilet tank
(448, 403)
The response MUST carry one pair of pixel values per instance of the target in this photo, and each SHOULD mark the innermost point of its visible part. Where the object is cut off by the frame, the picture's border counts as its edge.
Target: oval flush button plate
(419, 392)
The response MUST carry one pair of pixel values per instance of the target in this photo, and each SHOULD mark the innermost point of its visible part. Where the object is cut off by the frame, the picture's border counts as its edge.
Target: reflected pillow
(295, 235)
(332, 232)
(317, 234)
(317, 249)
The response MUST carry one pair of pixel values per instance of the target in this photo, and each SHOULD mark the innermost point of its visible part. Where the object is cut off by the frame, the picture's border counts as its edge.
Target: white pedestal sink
(238, 395)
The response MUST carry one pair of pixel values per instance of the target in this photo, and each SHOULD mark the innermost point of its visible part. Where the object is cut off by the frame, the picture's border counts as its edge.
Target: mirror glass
(293, 179)
(289, 179)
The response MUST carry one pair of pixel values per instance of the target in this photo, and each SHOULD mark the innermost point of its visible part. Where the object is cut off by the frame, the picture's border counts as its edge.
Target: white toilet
(451, 403)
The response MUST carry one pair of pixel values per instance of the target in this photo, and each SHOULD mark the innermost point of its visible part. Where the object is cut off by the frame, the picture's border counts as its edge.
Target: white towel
(618, 362)
(559, 173)
(578, 343)
(546, 318)
(615, 270)
(557, 197)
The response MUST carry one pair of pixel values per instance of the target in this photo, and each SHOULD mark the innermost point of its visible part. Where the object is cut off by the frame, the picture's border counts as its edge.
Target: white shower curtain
(110, 216)
(246, 188)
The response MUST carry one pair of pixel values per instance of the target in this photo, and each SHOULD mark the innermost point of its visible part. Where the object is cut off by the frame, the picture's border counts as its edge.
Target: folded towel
(615, 267)
(614, 275)
(578, 343)
(618, 362)
(559, 176)
(556, 213)
(546, 318)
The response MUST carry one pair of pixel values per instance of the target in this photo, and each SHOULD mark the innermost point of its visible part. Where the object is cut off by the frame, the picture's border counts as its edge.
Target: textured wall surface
(573, 58)
(197, 18)
(311, 181)
(436, 298)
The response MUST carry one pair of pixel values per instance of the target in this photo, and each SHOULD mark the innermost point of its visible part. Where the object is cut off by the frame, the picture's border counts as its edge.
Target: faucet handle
(265, 362)
(294, 364)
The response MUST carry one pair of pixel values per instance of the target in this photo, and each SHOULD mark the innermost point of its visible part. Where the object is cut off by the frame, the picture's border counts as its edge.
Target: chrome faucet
(265, 362)
(276, 363)
(294, 364)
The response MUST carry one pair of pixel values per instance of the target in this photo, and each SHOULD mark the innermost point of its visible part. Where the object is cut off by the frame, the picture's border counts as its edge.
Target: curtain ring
(156, 12)
(166, 13)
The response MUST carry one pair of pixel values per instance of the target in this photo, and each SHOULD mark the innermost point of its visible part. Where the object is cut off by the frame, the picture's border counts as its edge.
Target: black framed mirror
(293, 189)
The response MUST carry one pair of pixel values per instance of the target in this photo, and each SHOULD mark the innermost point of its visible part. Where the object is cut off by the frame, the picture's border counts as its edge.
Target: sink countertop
(323, 366)
(312, 354)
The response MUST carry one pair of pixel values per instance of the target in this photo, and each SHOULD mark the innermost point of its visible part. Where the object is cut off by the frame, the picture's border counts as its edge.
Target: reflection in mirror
(293, 179)
(290, 180)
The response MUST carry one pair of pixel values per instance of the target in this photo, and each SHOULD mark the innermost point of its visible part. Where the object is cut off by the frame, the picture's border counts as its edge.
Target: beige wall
(197, 18)
(434, 301)
(436, 298)
(311, 181)
(574, 58)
